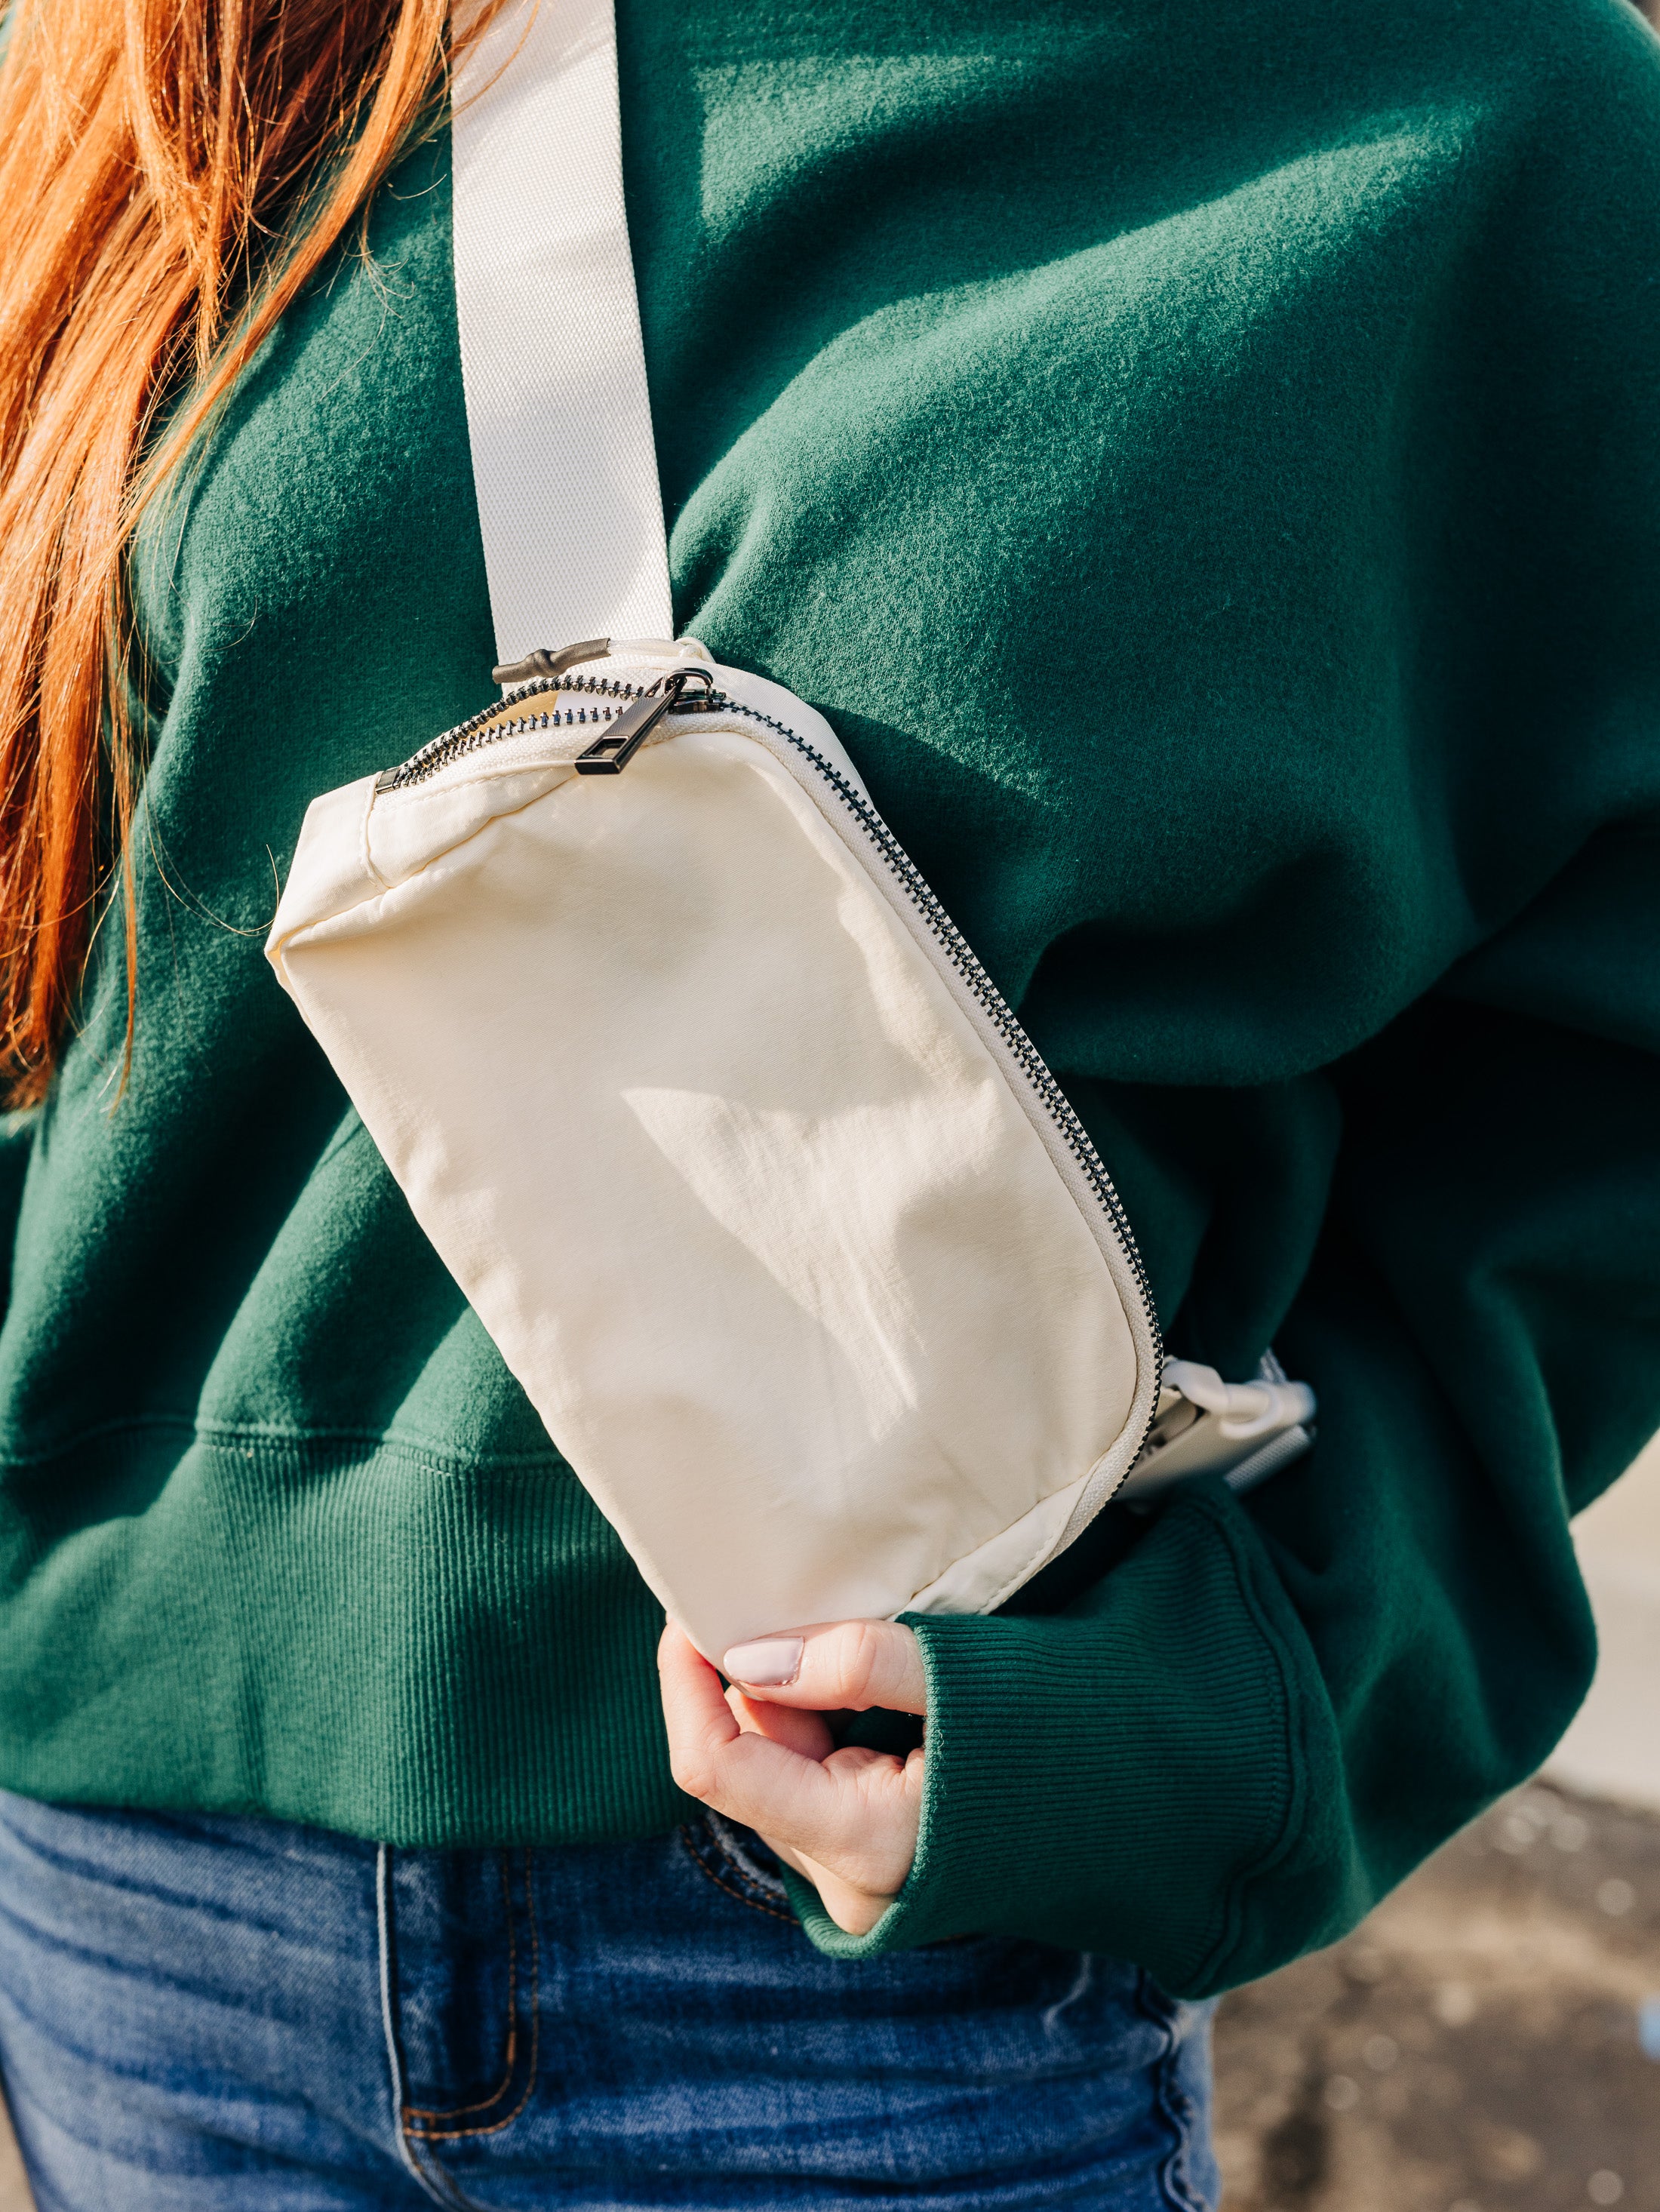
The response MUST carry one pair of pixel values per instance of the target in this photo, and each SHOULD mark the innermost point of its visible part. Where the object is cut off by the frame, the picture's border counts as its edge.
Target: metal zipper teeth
(473, 735)
(966, 961)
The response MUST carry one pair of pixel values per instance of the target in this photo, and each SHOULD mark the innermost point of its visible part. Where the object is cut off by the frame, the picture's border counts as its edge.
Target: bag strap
(552, 365)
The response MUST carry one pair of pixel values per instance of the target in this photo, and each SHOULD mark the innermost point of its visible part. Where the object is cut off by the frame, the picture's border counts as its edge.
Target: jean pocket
(464, 1969)
(738, 1861)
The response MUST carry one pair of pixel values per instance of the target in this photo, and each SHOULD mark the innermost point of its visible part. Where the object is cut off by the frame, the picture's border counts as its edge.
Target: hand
(761, 1753)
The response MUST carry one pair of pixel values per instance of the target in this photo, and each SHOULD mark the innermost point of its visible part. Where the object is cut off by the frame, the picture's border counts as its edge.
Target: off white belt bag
(793, 1241)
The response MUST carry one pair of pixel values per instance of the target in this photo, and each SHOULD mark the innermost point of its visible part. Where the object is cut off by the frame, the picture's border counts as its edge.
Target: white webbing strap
(551, 360)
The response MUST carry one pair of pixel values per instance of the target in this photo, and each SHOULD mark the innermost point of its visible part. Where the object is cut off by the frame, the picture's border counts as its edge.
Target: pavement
(1488, 2041)
(14, 2182)
(1612, 1748)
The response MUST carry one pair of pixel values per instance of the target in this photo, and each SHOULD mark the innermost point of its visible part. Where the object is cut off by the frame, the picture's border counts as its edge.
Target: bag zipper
(628, 725)
(486, 728)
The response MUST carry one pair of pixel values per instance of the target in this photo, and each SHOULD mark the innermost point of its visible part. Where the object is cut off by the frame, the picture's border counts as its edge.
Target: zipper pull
(544, 663)
(610, 754)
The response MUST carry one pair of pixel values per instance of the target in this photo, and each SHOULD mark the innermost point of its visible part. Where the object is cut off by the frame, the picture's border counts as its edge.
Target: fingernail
(769, 1662)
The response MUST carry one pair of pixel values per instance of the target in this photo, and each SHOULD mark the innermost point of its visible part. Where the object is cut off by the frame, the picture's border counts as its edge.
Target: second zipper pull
(610, 754)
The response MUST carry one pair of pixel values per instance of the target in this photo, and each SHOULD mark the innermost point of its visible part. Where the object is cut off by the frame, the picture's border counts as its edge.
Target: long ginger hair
(172, 173)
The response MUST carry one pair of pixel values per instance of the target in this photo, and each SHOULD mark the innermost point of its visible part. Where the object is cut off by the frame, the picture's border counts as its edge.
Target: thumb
(839, 1665)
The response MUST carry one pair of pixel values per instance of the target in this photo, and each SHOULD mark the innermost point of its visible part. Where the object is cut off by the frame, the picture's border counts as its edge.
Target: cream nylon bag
(789, 1234)
(791, 1238)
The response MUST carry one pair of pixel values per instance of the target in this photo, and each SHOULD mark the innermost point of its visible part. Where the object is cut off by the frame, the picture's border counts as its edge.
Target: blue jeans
(204, 2013)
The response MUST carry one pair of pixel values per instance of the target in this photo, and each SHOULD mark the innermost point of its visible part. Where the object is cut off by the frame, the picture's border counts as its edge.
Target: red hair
(171, 172)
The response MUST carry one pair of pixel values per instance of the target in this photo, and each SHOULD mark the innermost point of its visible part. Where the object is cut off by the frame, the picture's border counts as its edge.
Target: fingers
(851, 1816)
(746, 1776)
(701, 1722)
(858, 1877)
(842, 1665)
(809, 1733)
(856, 1910)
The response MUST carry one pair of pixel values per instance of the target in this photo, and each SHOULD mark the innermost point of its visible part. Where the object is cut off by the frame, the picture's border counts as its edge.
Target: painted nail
(769, 1662)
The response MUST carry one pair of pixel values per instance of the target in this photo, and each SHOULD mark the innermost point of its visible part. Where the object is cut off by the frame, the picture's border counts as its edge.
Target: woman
(1205, 469)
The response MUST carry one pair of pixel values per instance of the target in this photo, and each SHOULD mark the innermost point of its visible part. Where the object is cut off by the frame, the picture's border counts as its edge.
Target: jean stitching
(387, 1946)
(438, 2186)
(455, 2134)
(1175, 2106)
(460, 2112)
(772, 1912)
(762, 1883)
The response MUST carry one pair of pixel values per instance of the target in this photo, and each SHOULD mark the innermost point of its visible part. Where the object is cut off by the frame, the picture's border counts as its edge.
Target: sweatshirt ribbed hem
(1093, 1785)
(343, 1632)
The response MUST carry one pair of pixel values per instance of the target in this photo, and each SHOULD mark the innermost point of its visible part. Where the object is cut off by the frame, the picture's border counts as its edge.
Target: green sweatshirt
(1206, 466)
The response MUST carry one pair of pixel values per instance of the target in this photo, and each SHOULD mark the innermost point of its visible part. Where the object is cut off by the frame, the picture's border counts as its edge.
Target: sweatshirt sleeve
(1224, 1750)
(1221, 1752)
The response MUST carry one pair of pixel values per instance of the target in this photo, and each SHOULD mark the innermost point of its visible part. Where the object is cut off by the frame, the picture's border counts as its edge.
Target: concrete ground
(1488, 2041)
(13, 2182)
(1612, 1749)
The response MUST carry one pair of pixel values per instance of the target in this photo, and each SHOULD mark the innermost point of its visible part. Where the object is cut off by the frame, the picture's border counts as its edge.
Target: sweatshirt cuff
(1110, 1777)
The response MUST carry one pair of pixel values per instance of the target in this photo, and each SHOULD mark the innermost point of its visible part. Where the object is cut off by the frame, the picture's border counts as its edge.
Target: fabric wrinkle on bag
(784, 1259)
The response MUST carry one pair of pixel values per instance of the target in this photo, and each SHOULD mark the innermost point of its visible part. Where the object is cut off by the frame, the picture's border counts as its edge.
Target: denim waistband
(204, 2011)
